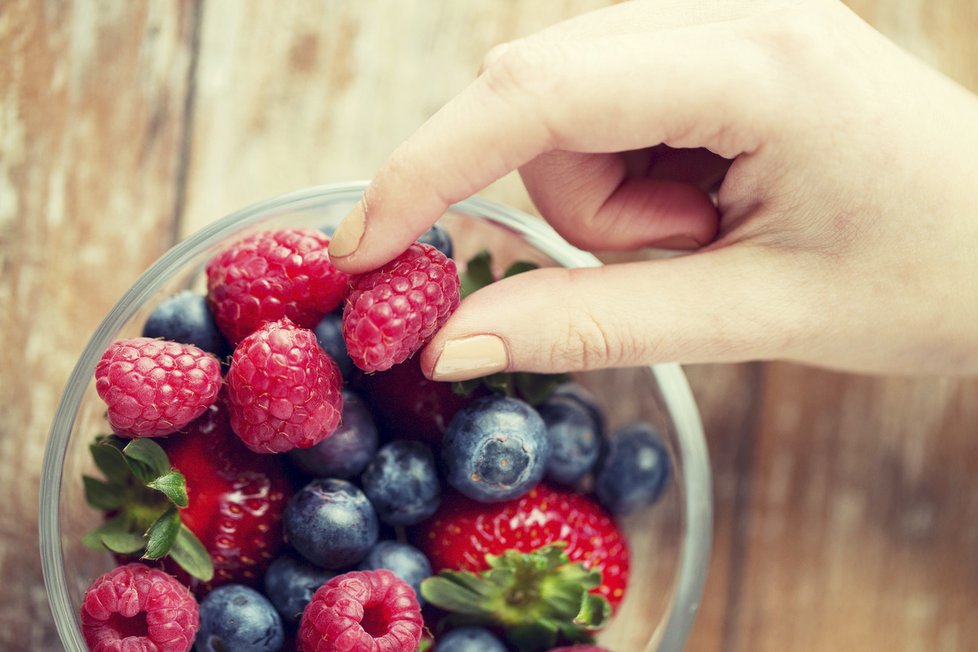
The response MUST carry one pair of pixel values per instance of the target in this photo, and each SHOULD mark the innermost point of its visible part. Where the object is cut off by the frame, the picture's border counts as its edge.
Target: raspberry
(392, 311)
(270, 275)
(154, 387)
(135, 607)
(283, 390)
(362, 610)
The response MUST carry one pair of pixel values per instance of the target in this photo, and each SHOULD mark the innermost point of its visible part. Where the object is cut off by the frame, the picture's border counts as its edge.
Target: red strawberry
(283, 389)
(270, 275)
(135, 607)
(372, 610)
(407, 405)
(393, 311)
(236, 499)
(462, 532)
(153, 387)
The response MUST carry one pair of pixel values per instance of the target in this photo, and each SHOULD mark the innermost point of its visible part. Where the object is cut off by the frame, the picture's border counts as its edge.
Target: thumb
(730, 304)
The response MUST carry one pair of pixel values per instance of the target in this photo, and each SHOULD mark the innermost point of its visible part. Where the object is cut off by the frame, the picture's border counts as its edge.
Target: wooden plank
(858, 529)
(91, 125)
(309, 92)
(861, 525)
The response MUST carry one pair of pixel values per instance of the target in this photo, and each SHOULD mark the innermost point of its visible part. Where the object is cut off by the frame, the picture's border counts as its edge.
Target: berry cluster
(397, 502)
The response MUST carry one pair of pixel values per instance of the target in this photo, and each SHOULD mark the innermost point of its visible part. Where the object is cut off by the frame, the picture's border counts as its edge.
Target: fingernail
(348, 234)
(470, 357)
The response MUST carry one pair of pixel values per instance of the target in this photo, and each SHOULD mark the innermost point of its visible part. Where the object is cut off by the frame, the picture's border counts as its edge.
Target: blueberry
(346, 452)
(186, 318)
(574, 391)
(438, 238)
(329, 334)
(634, 471)
(331, 523)
(575, 440)
(469, 639)
(405, 561)
(402, 482)
(496, 448)
(290, 583)
(235, 617)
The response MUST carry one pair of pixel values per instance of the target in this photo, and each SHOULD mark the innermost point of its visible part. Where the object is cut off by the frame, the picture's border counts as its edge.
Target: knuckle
(525, 68)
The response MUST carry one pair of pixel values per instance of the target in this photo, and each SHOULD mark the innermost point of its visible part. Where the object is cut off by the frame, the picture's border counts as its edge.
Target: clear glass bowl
(670, 542)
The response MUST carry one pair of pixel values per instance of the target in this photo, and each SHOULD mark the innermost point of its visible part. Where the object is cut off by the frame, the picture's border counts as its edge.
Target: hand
(843, 231)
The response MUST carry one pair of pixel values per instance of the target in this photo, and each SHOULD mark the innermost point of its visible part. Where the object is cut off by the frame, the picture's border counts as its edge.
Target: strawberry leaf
(146, 459)
(93, 538)
(477, 273)
(161, 534)
(537, 598)
(173, 485)
(519, 267)
(189, 553)
(110, 460)
(103, 495)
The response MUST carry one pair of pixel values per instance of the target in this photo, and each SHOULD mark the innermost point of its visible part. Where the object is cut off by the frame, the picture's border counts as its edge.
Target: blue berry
(405, 561)
(346, 452)
(438, 238)
(329, 334)
(186, 318)
(235, 617)
(496, 448)
(574, 391)
(469, 639)
(634, 471)
(290, 583)
(575, 440)
(402, 482)
(331, 523)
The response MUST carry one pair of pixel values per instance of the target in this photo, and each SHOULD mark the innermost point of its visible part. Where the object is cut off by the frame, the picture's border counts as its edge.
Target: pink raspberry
(283, 390)
(154, 387)
(370, 610)
(270, 275)
(135, 607)
(393, 311)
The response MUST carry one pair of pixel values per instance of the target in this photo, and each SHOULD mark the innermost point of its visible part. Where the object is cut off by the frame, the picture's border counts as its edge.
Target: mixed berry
(281, 475)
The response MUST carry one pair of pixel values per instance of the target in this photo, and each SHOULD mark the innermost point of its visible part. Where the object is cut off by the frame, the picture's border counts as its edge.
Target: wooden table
(847, 507)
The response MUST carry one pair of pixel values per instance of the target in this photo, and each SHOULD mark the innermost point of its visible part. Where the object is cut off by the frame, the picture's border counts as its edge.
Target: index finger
(688, 87)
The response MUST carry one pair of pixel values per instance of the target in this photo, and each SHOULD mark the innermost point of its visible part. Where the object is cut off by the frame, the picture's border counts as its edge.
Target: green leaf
(477, 274)
(537, 388)
(595, 612)
(161, 534)
(103, 495)
(124, 543)
(519, 267)
(146, 459)
(173, 485)
(189, 553)
(537, 598)
(466, 387)
(110, 460)
(93, 538)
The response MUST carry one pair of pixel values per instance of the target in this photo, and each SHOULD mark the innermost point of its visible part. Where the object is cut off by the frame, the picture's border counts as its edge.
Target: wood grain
(845, 505)
(91, 126)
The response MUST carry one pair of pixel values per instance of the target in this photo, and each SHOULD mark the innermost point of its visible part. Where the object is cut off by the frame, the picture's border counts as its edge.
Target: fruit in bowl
(437, 507)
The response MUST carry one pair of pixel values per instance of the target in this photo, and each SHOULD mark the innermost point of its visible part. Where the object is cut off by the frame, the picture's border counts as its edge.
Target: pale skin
(822, 182)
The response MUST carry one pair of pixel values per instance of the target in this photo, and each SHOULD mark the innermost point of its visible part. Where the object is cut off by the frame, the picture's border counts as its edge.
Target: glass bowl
(670, 541)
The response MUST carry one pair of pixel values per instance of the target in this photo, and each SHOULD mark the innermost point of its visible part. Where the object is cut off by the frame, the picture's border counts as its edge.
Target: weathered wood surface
(845, 506)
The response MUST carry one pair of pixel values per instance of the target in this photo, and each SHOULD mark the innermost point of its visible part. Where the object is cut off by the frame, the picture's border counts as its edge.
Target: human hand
(843, 234)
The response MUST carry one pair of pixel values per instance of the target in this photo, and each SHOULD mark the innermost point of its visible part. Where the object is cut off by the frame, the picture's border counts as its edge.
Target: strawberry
(407, 405)
(205, 505)
(462, 532)
(236, 498)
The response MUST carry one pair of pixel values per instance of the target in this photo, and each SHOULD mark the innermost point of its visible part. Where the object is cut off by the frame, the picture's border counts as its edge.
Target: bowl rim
(695, 491)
